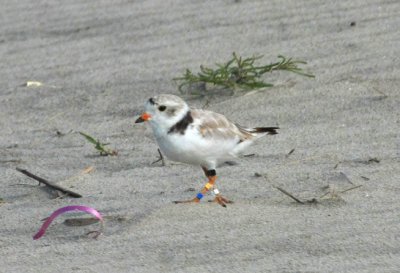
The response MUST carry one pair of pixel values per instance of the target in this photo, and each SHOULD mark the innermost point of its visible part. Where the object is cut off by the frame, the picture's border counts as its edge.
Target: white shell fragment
(33, 84)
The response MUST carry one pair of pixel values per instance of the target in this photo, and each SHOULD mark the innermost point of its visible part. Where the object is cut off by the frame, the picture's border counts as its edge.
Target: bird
(198, 137)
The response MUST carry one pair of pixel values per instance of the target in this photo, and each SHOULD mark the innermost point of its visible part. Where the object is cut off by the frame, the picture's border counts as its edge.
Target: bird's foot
(221, 200)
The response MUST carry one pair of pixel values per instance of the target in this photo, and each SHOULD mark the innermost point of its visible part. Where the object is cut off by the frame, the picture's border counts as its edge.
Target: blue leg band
(199, 195)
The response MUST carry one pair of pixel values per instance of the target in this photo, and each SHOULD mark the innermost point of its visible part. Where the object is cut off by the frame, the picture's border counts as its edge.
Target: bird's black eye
(162, 108)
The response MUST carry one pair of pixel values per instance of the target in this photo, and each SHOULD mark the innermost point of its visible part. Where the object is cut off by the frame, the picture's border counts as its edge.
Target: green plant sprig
(239, 73)
(99, 146)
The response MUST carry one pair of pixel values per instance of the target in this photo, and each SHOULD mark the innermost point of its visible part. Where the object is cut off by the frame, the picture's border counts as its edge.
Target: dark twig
(374, 159)
(343, 191)
(290, 152)
(288, 194)
(50, 184)
(352, 188)
(281, 190)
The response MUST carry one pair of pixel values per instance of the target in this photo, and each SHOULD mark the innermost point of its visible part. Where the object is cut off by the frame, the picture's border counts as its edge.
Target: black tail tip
(269, 130)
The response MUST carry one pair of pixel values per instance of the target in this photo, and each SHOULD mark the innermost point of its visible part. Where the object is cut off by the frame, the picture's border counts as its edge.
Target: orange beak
(144, 117)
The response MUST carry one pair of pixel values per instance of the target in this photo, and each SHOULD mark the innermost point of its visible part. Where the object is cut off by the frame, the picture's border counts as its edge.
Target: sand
(100, 60)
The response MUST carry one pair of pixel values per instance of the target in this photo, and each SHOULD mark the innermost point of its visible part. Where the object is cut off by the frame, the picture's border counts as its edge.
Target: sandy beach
(337, 151)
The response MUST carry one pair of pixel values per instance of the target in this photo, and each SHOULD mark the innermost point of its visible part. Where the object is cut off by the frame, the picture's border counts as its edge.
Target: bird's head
(163, 111)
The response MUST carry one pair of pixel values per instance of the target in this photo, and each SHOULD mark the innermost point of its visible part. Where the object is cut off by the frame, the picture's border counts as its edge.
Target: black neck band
(180, 126)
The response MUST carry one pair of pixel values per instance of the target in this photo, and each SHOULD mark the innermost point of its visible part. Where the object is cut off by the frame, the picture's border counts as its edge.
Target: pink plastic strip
(62, 210)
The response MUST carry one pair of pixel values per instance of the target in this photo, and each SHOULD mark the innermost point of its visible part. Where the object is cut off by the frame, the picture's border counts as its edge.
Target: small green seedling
(239, 73)
(99, 146)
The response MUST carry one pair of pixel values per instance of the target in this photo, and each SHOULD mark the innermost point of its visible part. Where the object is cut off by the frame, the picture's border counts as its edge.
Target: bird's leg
(212, 177)
(204, 190)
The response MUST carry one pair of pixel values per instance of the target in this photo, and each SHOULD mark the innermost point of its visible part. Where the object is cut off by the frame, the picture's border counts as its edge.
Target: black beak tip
(139, 120)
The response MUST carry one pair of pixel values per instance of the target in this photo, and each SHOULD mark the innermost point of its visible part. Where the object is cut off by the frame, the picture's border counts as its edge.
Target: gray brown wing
(214, 125)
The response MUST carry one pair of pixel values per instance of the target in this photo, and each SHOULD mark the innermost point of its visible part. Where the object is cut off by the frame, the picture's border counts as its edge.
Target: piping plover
(198, 137)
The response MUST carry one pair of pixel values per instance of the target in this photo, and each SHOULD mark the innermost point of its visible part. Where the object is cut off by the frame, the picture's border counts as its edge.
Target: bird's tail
(268, 130)
(252, 134)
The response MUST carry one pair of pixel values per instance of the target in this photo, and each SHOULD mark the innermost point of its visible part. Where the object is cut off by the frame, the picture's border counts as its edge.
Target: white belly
(192, 148)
